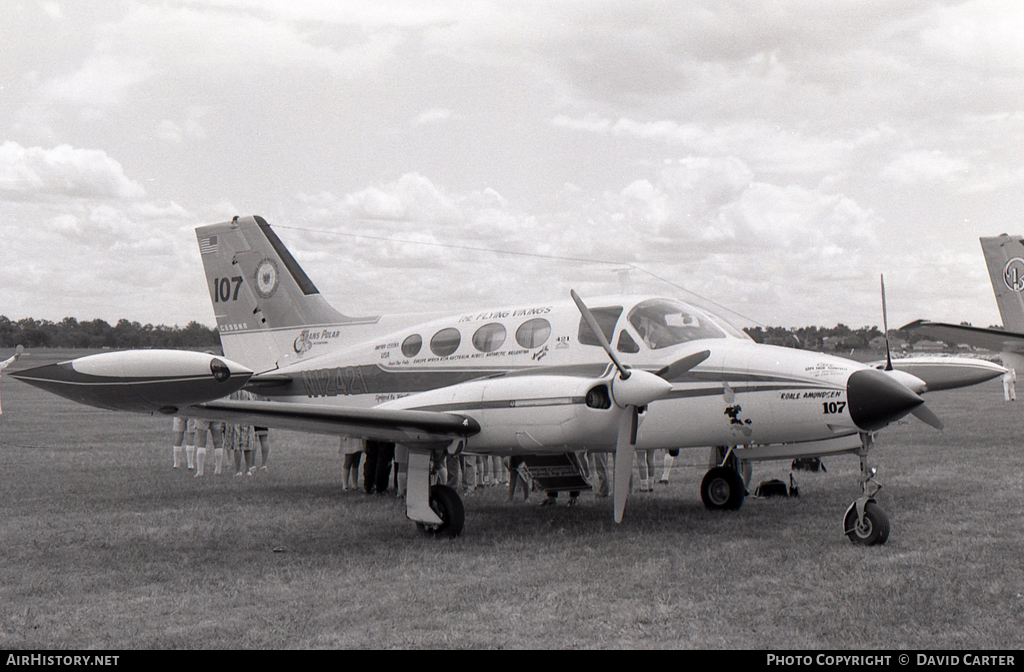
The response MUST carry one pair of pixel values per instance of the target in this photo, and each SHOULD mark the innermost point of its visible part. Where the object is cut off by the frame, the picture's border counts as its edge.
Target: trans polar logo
(1013, 274)
(266, 278)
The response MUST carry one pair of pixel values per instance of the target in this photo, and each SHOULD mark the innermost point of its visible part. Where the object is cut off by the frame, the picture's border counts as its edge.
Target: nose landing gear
(865, 523)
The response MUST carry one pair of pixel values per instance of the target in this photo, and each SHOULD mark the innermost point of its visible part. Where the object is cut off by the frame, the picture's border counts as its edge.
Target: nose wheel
(869, 527)
(865, 523)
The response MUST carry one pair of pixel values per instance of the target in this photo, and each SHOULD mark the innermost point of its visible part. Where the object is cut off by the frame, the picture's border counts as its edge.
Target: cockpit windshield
(662, 323)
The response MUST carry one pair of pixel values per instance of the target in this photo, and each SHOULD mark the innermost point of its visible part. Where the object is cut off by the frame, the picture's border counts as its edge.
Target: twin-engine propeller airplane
(621, 374)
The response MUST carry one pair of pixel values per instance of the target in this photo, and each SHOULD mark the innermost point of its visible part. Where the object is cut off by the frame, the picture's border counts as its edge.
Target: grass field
(103, 545)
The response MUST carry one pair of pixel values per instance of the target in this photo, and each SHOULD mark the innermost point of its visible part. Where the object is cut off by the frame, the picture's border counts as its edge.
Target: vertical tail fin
(260, 294)
(1004, 256)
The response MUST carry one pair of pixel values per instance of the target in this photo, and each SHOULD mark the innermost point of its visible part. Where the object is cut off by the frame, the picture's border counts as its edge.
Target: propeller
(927, 416)
(922, 412)
(631, 390)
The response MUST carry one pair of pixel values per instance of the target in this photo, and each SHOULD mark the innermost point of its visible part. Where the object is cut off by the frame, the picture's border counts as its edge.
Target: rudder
(1004, 256)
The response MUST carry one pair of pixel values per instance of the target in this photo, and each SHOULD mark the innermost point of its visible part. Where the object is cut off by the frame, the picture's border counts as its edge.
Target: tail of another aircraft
(1004, 256)
(268, 310)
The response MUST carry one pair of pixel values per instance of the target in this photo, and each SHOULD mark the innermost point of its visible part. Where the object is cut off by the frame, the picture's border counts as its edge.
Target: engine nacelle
(141, 380)
(530, 413)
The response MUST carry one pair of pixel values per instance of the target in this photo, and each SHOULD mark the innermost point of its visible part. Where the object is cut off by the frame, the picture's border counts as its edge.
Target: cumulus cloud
(53, 10)
(704, 223)
(91, 258)
(983, 33)
(412, 198)
(766, 146)
(432, 116)
(101, 81)
(169, 132)
(925, 167)
(206, 41)
(28, 173)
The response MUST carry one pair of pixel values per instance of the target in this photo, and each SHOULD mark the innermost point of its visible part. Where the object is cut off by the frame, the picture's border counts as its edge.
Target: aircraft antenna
(885, 326)
(535, 255)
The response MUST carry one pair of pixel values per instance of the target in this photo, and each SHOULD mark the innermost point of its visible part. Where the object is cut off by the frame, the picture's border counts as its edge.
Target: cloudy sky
(775, 157)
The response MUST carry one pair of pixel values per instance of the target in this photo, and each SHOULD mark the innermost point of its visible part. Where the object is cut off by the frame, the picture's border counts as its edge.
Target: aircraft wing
(402, 426)
(939, 372)
(996, 340)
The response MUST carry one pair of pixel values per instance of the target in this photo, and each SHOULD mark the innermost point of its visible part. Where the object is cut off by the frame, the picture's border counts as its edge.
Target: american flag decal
(208, 245)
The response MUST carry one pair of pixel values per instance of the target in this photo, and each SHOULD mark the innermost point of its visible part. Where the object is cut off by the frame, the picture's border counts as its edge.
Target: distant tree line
(839, 337)
(818, 338)
(70, 333)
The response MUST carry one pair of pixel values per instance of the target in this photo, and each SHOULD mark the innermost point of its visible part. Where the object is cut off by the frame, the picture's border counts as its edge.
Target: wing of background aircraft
(997, 340)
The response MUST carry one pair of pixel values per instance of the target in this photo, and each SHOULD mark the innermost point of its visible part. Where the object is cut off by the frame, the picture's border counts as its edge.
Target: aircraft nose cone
(877, 399)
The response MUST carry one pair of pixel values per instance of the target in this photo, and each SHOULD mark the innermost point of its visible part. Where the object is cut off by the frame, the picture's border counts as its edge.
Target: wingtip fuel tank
(144, 381)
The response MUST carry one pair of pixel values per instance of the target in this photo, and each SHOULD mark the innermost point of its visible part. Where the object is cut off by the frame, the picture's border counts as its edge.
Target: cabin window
(606, 319)
(489, 337)
(445, 342)
(411, 345)
(626, 343)
(533, 333)
(662, 323)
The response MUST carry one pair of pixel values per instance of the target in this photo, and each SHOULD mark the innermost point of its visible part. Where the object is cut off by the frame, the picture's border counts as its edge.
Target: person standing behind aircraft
(240, 439)
(213, 432)
(10, 360)
(189, 441)
(516, 478)
(263, 439)
(178, 447)
(1009, 384)
(352, 452)
(666, 462)
(600, 469)
(385, 459)
(646, 468)
(401, 469)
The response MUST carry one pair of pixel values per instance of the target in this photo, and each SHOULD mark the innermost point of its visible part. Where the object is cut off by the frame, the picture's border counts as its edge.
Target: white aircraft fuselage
(744, 393)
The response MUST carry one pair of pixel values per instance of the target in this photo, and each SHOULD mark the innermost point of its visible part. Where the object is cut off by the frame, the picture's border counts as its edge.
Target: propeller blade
(927, 416)
(885, 325)
(624, 449)
(681, 366)
(596, 328)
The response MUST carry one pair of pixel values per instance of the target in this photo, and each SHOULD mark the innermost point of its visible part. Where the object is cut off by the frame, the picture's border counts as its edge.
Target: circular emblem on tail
(267, 278)
(1013, 274)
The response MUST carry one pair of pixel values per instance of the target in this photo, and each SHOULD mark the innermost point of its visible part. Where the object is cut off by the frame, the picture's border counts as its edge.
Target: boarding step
(557, 473)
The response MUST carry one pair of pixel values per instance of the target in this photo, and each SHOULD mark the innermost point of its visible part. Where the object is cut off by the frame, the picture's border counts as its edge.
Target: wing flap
(399, 426)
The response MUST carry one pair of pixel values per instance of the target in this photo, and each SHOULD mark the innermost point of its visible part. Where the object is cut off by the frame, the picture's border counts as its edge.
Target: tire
(448, 506)
(875, 529)
(722, 488)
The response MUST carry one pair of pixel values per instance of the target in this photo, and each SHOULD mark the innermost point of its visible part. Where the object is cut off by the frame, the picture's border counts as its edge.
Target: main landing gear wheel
(448, 506)
(722, 488)
(873, 530)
